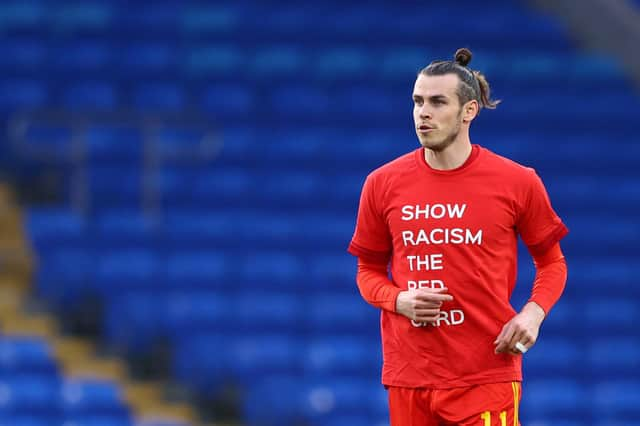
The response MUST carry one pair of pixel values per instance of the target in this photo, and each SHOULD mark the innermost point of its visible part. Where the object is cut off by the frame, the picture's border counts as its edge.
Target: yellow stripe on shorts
(516, 401)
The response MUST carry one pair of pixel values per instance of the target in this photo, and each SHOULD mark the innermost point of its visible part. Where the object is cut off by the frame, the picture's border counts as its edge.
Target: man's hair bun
(463, 56)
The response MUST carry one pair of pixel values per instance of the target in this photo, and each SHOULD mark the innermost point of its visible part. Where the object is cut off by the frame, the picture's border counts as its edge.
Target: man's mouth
(423, 128)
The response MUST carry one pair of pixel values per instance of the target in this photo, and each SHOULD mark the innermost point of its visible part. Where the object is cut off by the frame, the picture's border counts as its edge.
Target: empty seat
(30, 394)
(211, 19)
(115, 187)
(337, 271)
(72, 18)
(342, 63)
(159, 97)
(229, 100)
(613, 316)
(337, 396)
(23, 94)
(342, 356)
(148, 58)
(133, 320)
(614, 357)
(188, 270)
(83, 57)
(54, 227)
(299, 101)
(221, 60)
(279, 61)
(63, 275)
(48, 142)
(22, 54)
(552, 356)
(340, 313)
(616, 398)
(90, 95)
(121, 228)
(114, 142)
(273, 270)
(555, 397)
(19, 16)
(196, 312)
(129, 268)
(24, 354)
(259, 310)
(92, 397)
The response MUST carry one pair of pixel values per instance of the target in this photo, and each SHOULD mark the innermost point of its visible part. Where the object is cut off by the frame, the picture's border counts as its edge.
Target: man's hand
(522, 328)
(422, 305)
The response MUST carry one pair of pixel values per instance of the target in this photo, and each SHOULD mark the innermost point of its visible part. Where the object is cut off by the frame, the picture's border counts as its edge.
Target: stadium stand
(202, 164)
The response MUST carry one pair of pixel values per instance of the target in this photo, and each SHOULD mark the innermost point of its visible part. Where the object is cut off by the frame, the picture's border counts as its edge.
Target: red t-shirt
(458, 229)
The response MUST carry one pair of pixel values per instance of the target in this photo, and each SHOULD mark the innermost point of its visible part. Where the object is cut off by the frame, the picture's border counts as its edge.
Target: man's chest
(451, 215)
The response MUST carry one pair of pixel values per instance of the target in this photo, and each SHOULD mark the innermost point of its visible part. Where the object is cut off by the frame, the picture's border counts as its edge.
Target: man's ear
(470, 111)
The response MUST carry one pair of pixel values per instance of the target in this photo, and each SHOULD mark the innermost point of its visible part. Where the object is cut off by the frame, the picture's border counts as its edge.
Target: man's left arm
(551, 276)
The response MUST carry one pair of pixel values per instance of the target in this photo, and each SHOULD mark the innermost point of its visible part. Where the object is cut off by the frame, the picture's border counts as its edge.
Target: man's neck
(450, 158)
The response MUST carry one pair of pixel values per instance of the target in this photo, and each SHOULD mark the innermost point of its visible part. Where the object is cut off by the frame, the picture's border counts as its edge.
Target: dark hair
(473, 85)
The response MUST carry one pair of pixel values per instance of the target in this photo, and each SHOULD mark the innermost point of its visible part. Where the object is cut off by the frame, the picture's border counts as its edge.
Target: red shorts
(493, 404)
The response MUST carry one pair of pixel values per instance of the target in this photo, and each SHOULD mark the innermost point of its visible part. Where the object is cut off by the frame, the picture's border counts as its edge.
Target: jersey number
(486, 416)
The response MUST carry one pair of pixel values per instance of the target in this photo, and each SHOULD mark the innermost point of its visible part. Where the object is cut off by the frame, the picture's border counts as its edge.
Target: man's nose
(425, 111)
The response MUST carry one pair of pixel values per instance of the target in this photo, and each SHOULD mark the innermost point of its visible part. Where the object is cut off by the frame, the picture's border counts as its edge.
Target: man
(446, 217)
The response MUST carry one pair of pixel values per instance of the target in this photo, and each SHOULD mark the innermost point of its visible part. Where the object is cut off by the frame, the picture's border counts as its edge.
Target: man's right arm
(376, 288)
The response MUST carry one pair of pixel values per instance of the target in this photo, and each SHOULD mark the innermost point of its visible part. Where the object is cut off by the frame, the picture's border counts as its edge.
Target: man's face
(436, 110)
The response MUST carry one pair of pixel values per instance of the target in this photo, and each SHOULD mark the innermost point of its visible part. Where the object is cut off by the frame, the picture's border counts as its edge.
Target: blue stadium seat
(228, 100)
(337, 396)
(273, 401)
(552, 356)
(121, 228)
(148, 58)
(20, 94)
(210, 19)
(616, 399)
(128, 269)
(47, 141)
(189, 270)
(115, 143)
(196, 312)
(216, 60)
(23, 354)
(99, 420)
(299, 101)
(555, 397)
(22, 54)
(260, 310)
(273, 270)
(261, 355)
(28, 394)
(279, 61)
(115, 187)
(333, 271)
(342, 356)
(133, 320)
(83, 57)
(91, 95)
(614, 357)
(28, 420)
(200, 361)
(73, 18)
(341, 314)
(184, 144)
(342, 63)
(63, 275)
(612, 316)
(54, 227)
(159, 97)
(92, 397)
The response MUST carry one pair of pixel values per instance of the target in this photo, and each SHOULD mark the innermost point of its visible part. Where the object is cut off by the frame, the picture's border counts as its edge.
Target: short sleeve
(371, 240)
(538, 224)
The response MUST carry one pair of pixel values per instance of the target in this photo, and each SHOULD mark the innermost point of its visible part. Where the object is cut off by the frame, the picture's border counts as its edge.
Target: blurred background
(180, 181)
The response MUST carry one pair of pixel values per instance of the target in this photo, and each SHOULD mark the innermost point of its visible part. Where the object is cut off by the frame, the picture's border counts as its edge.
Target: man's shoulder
(505, 165)
(398, 166)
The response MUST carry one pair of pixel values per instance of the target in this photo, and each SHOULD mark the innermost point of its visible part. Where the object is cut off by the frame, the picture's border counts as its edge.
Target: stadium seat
(192, 270)
(91, 96)
(115, 143)
(29, 394)
(340, 314)
(24, 354)
(219, 60)
(55, 227)
(129, 268)
(342, 356)
(611, 399)
(159, 97)
(59, 284)
(555, 397)
(91, 397)
(614, 357)
(20, 94)
(148, 58)
(195, 312)
(22, 54)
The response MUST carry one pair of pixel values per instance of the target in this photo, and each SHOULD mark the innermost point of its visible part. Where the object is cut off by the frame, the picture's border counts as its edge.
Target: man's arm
(551, 276)
(377, 289)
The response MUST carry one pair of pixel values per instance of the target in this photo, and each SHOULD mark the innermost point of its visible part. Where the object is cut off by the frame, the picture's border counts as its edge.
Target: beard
(442, 143)
(439, 145)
